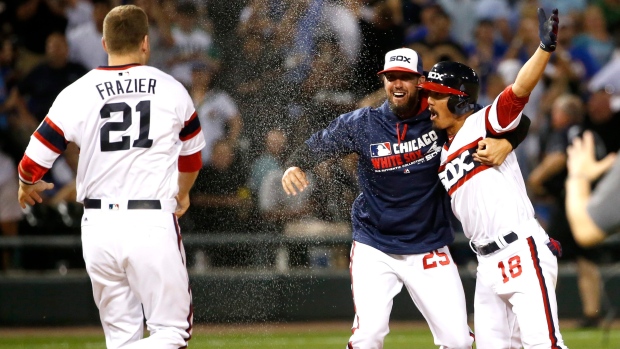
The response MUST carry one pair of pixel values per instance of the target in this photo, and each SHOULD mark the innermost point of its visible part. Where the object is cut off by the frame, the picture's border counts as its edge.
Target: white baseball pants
(433, 282)
(136, 263)
(515, 303)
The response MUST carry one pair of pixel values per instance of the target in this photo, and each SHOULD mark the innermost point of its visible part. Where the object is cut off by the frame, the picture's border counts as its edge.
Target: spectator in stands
(192, 43)
(437, 44)
(327, 89)
(271, 159)
(382, 30)
(77, 12)
(160, 34)
(462, 26)
(485, 52)
(257, 76)
(611, 11)
(603, 116)
(44, 15)
(547, 180)
(10, 213)
(500, 13)
(217, 111)
(592, 215)
(220, 198)
(36, 92)
(595, 37)
(221, 203)
(85, 40)
(8, 79)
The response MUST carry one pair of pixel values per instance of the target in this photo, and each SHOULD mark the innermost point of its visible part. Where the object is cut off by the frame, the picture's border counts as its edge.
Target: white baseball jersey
(487, 200)
(131, 124)
(123, 155)
(515, 303)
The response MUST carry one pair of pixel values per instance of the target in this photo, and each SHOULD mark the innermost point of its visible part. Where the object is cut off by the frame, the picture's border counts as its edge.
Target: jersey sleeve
(337, 139)
(604, 202)
(191, 133)
(505, 112)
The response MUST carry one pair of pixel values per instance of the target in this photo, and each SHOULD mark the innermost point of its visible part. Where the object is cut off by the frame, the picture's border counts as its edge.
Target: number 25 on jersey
(431, 259)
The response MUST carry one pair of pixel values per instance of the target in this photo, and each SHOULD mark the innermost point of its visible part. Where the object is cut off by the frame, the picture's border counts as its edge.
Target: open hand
(582, 162)
(548, 29)
(29, 193)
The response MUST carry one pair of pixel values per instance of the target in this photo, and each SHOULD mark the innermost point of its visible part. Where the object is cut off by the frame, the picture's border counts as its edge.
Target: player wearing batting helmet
(515, 304)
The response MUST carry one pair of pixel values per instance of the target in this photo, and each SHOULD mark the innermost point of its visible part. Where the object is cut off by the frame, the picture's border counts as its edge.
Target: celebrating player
(400, 220)
(515, 303)
(140, 143)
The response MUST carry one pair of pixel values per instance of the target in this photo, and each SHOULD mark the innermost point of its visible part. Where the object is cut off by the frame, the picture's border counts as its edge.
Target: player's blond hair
(124, 28)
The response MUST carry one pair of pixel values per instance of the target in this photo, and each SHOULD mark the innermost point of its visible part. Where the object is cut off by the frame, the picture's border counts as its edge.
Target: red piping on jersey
(190, 315)
(401, 136)
(509, 106)
(118, 67)
(544, 293)
(29, 171)
(190, 163)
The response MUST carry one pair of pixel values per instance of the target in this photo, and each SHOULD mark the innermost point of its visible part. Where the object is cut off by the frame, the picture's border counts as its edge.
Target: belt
(494, 246)
(131, 204)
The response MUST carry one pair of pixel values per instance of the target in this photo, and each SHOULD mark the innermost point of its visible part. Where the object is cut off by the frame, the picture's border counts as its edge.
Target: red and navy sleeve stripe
(51, 136)
(191, 128)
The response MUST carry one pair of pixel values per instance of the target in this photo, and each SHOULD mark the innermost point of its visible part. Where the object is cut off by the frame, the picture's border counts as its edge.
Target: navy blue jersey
(403, 209)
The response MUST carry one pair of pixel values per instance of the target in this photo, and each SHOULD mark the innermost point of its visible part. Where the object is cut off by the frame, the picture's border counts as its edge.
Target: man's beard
(404, 110)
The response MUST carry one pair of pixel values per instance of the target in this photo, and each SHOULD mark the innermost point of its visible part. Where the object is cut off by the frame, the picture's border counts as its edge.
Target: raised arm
(532, 70)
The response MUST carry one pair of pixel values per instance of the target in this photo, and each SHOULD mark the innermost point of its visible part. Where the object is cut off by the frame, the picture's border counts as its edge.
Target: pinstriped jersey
(488, 201)
(131, 124)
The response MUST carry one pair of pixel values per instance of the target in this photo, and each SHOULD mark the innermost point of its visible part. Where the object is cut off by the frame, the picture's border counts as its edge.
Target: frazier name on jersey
(118, 87)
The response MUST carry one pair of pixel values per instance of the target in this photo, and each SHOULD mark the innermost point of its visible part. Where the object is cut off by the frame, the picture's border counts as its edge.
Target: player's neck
(456, 127)
(115, 60)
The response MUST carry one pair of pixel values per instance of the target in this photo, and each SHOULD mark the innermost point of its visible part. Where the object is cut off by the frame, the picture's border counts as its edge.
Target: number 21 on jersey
(143, 141)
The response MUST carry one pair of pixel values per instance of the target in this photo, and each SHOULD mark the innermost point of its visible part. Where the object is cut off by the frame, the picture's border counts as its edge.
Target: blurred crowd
(266, 74)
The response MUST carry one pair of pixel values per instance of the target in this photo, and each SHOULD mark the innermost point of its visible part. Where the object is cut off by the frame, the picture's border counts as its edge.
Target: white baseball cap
(403, 59)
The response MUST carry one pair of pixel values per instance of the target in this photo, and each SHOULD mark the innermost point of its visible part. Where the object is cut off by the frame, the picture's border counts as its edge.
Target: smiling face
(402, 92)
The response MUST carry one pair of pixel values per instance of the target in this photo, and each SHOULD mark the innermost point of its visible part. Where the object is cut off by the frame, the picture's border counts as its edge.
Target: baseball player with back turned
(401, 225)
(140, 143)
(515, 303)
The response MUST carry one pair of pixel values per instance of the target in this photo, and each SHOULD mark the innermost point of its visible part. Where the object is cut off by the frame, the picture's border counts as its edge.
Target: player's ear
(105, 48)
(145, 46)
(421, 79)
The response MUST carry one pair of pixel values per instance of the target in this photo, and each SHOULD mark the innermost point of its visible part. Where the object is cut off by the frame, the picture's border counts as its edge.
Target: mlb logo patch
(113, 207)
(380, 149)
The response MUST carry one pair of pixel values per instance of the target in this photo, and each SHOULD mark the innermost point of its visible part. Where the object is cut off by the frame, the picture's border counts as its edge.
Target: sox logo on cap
(404, 60)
